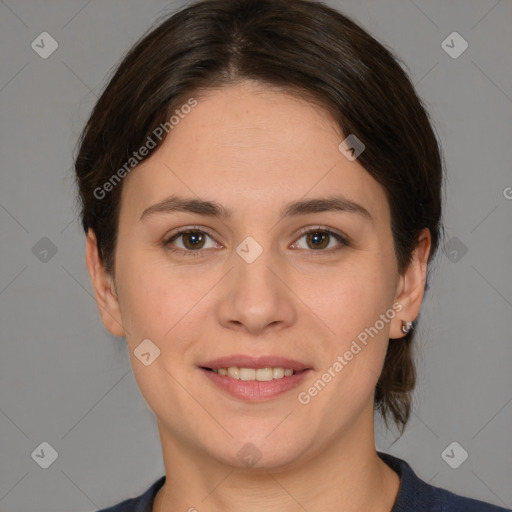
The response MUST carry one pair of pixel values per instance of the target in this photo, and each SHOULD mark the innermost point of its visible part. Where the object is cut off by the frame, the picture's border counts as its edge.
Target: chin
(257, 453)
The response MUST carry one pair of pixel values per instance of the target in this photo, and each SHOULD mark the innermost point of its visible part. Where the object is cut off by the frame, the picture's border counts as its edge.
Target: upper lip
(247, 361)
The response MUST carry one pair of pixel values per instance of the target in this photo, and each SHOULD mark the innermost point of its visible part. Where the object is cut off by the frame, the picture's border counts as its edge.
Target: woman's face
(252, 284)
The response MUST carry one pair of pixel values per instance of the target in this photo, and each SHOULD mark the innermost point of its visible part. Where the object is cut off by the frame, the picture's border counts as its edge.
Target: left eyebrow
(330, 204)
(213, 209)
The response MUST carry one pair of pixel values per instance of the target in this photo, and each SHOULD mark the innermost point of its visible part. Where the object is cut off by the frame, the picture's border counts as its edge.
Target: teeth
(234, 372)
(261, 374)
(248, 374)
(278, 373)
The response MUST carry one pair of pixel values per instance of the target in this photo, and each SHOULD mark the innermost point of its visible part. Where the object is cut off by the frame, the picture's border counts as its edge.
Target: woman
(261, 194)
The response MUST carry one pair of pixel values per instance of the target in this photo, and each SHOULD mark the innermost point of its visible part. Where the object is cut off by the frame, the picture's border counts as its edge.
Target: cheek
(354, 349)
(159, 302)
(155, 308)
(351, 306)
(146, 298)
(351, 296)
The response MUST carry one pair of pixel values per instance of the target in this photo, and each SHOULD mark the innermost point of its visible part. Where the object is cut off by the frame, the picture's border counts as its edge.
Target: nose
(256, 297)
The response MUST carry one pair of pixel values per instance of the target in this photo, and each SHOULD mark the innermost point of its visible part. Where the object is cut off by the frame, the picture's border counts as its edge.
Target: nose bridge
(253, 261)
(256, 297)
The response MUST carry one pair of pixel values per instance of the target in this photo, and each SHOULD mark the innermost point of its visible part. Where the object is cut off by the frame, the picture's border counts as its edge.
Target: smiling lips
(255, 378)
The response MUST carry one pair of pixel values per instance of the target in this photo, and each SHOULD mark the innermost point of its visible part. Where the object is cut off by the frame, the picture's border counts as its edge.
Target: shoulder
(416, 495)
(450, 502)
(142, 503)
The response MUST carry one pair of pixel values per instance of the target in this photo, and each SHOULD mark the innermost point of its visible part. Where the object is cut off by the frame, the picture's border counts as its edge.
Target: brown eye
(318, 240)
(191, 243)
(322, 240)
(193, 240)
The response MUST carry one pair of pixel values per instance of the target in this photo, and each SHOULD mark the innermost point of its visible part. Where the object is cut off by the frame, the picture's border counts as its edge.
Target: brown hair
(303, 47)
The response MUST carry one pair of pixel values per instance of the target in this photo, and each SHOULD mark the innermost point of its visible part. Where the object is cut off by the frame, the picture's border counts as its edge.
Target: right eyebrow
(181, 204)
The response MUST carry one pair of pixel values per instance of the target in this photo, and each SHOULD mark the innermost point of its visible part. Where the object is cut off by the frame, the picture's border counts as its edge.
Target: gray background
(66, 381)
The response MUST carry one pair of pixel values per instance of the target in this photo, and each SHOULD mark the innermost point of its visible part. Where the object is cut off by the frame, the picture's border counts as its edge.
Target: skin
(253, 149)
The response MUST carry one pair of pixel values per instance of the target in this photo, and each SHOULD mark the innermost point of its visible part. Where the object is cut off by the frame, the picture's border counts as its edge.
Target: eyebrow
(175, 203)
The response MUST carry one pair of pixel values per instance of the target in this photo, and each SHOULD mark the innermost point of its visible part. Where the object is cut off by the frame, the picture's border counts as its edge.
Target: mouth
(255, 378)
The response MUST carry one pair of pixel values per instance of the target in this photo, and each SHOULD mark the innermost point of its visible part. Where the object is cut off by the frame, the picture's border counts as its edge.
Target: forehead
(251, 147)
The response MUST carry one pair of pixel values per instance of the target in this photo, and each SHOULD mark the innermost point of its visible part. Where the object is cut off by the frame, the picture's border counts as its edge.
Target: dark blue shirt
(414, 495)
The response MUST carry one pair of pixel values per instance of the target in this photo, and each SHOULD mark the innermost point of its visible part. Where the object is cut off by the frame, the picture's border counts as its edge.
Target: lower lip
(255, 390)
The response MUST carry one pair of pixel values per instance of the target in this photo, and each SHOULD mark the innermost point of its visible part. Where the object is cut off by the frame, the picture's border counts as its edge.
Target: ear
(104, 289)
(411, 285)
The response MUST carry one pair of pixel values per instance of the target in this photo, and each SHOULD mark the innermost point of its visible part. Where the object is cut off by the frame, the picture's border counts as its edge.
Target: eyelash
(318, 229)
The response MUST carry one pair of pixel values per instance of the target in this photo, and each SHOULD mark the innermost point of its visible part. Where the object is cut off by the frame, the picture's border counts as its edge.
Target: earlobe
(103, 284)
(411, 287)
